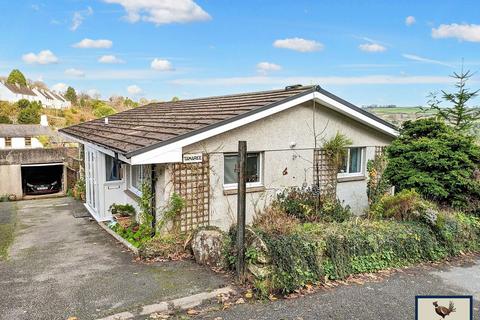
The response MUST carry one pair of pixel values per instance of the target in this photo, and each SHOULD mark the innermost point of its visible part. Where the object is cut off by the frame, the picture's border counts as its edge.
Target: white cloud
(425, 60)
(79, 16)
(94, 93)
(265, 67)
(43, 57)
(333, 80)
(372, 47)
(161, 65)
(410, 20)
(96, 44)
(162, 11)
(298, 44)
(134, 90)
(466, 32)
(110, 59)
(75, 73)
(60, 87)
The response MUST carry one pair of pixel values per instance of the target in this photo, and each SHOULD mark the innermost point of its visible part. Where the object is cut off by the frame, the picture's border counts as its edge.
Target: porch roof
(141, 129)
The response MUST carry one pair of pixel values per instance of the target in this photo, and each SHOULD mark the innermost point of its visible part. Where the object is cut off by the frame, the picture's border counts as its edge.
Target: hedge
(336, 250)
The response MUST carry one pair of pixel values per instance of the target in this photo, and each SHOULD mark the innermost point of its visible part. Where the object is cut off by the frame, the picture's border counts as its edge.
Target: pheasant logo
(444, 311)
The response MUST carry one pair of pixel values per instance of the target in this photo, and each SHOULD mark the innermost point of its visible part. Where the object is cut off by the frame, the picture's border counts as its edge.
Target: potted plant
(123, 214)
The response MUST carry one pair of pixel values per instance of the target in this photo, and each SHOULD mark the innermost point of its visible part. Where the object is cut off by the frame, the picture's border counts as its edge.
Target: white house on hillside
(49, 99)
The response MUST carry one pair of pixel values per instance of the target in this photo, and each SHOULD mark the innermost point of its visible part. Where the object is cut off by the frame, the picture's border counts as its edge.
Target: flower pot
(125, 222)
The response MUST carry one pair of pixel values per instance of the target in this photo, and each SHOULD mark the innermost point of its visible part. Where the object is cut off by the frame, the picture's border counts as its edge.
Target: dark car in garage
(42, 180)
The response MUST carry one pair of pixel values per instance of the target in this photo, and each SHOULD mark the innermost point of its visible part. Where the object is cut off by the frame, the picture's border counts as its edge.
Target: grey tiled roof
(24, 130)
(143, 128)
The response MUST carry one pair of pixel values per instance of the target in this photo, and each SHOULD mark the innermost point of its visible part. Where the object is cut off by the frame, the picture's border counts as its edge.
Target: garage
(40, 179)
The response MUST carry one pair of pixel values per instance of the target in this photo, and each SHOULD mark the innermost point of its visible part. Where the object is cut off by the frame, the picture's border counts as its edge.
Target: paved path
(60, 266)
(392, 298)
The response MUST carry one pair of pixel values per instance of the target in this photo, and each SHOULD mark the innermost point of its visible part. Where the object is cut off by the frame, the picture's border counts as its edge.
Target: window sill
(351, 178)
(132, 195)
(233, 191)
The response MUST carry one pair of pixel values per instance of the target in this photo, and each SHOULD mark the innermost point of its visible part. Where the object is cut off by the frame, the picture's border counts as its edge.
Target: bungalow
(189, 147)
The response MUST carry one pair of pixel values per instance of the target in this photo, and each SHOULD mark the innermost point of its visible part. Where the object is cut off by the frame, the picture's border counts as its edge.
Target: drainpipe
(154, 195)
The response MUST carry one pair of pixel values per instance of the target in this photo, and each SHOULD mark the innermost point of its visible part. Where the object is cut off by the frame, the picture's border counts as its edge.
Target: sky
(367, 52)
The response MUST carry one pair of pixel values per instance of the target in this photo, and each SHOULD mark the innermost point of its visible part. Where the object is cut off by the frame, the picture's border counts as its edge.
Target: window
(253, 170)
(138, 174)
(28, 141)
(353, 162)
(112, 169)
(8, 142)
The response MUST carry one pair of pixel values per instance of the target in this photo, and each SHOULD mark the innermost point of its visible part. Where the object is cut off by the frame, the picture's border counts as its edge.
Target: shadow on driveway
(61, 266)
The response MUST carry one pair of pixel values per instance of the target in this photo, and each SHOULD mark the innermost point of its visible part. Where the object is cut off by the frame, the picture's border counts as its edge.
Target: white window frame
(234, 186)
(362, 164)
(130, 186)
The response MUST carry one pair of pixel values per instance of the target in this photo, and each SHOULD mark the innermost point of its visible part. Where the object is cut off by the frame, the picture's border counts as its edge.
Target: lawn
(7, 227)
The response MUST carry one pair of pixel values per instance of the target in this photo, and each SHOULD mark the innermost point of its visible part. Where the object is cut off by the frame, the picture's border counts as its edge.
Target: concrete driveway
(60, 266)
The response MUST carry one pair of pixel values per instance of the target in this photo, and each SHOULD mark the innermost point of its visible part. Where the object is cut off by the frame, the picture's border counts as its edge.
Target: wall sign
(193, 158)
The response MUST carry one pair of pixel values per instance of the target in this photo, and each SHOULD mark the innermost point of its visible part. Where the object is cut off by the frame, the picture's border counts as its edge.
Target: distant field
(397, 110)
(398, 115)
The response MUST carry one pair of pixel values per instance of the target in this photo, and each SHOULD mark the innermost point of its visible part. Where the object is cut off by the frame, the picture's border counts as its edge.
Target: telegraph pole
(241, 200)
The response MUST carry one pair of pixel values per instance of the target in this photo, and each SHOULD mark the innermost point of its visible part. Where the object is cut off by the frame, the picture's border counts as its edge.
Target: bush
(275, 221)
(406, 205)
(125, 210)
(170, 246)
(5, 119)
(136, 234)
(436, 161)
(103, 111)
(371, 246)
(302, 204)
(294, 261)
(312, 251)
(307, 206)
(29, 114)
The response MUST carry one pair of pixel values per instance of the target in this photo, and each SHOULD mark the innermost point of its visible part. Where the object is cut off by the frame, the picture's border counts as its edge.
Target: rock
(261, 267)
(207, 247)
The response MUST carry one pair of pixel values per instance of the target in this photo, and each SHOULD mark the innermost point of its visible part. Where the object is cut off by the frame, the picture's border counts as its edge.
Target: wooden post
(241, 199)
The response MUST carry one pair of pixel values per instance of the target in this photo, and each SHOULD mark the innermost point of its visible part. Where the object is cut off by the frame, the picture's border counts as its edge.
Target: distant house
(14, 92)
(26, 163)
(190, 147)
(24, 136)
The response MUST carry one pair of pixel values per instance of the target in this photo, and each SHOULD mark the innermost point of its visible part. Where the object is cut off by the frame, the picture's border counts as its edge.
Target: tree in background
(22, 104)
(459, 114)
(30, 114)
(437, 161)
(71, 95)
(16, 77)
(175, 99)
(101, 109)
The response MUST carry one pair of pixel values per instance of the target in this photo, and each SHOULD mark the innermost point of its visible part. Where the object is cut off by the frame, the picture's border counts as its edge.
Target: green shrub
(29, 112)
(103, 111)
(334, 211)
(136, 234)
(125, 210)
(371, 246)
(407, 205)
(437, 161)
(5, 119)
(307, 206)
(299, 203)
(337, 250)
(295, 262)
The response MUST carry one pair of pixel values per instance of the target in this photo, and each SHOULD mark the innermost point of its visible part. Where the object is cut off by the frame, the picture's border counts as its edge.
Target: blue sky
(368, 52)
